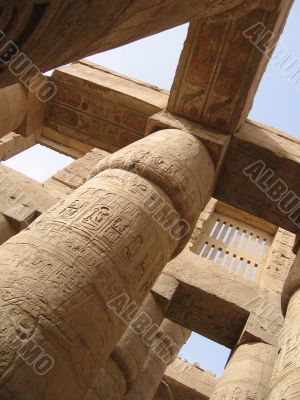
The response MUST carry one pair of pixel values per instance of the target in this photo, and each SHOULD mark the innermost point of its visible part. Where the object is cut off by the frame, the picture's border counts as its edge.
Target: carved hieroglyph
(13, 107)
(112, 236)
(247, 375)
(157, 361)
(128, 357)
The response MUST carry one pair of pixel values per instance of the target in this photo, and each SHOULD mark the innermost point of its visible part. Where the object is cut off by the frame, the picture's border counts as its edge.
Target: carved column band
(105, 244)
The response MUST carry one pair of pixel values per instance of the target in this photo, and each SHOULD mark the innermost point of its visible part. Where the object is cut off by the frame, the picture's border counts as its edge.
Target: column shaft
(128, 357)
(160, 356)
(65, 278)
(13, 108)
(248, 373)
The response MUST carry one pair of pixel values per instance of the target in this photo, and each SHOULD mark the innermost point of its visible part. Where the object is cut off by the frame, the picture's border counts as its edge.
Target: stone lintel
(270, 149)
(219, 304)
(22, 199)
(13, 144)
(79, 171)
(99, 107)
(186, 382)
(164, 289)
(63, 144)
(222, 64)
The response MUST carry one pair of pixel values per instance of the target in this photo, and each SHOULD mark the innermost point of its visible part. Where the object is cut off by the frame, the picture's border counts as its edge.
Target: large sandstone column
(285, 383)
(7, 230)
(158, 360)
(248, 373)
(13, 108)
(65, 279)
(128, 357)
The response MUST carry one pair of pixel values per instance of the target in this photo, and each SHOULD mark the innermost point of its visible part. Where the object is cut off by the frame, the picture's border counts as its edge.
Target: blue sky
(154, 60)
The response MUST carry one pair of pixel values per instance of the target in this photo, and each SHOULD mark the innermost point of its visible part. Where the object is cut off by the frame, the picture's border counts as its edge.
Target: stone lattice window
(233, 243)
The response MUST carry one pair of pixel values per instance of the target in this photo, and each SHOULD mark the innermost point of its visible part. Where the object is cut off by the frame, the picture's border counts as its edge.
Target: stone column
(65, 279)
(6, 229)
(285, 384)
(248, 373)
(128, 357)
(160, 356)
(13, 108)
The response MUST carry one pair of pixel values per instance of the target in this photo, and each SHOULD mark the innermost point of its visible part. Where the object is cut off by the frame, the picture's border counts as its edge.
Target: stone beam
(75, 174)
(186, 382)
(61, 25)
(96, 107)
(23, 199)
(13, 144)
(275, 156)
(220, 68)
(219, 304)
